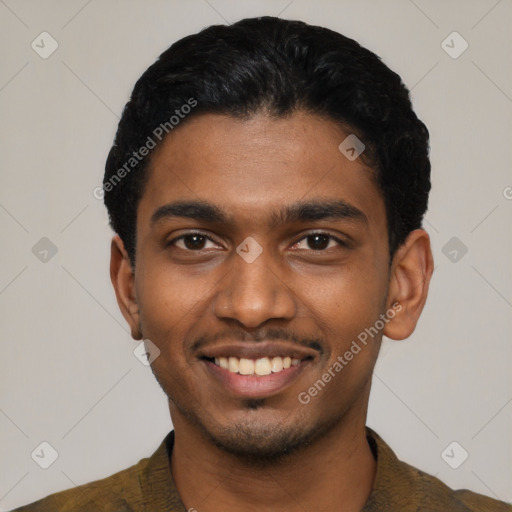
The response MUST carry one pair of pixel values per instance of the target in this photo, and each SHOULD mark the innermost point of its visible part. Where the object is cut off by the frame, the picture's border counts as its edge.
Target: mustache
(312, 342)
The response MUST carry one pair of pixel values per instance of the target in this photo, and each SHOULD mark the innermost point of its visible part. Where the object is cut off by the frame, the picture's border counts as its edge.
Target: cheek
(347, 300)
(167, 294)
(170, 304)
(169, 308)
(344, 307)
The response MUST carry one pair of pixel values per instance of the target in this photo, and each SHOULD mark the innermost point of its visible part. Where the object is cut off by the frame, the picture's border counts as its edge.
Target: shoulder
(434, 495)
(120, 492)
(400, 486)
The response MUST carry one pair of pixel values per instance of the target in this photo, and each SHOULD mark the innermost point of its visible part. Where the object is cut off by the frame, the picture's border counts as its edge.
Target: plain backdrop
(68, 374)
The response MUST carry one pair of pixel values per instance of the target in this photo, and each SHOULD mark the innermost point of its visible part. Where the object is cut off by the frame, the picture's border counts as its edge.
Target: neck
(334, 473)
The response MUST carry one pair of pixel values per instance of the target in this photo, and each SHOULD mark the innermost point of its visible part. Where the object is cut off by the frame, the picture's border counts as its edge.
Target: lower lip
(255, 386)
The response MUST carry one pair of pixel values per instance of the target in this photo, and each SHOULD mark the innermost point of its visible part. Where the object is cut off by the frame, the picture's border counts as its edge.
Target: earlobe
(123, 280)
(411, 271)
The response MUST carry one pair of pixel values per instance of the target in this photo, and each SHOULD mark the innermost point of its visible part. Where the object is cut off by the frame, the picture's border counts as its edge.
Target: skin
(273, 453)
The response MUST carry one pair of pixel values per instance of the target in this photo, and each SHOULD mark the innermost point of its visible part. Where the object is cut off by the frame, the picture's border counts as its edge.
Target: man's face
(318, 282)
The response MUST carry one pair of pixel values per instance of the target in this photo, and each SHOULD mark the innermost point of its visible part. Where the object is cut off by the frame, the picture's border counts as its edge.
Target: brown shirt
(148, 487)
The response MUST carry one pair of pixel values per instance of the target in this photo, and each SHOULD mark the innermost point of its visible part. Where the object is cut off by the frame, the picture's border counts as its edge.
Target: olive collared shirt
(149, 487)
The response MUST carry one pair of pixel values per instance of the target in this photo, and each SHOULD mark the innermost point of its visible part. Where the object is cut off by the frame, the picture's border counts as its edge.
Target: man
(267, 186)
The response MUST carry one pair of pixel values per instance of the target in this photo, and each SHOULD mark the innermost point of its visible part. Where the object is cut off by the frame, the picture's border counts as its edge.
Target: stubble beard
(258, 444)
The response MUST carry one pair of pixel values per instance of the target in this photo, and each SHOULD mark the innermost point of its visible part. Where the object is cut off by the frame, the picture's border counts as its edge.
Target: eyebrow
(302, 211)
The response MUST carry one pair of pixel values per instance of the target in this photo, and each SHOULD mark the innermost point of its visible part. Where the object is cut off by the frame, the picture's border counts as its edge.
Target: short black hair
(275, 66)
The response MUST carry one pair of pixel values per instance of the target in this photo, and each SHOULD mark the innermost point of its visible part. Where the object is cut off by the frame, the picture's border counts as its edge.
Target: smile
(256, 370)
(262, 366)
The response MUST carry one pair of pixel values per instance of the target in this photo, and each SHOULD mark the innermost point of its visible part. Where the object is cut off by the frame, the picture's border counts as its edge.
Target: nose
(254, 292)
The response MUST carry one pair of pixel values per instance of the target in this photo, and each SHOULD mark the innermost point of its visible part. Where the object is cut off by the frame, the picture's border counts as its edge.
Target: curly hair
(277, 66)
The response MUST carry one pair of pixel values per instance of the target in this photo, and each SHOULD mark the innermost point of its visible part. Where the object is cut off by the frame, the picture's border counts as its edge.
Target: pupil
(197, 243)
(320, 242)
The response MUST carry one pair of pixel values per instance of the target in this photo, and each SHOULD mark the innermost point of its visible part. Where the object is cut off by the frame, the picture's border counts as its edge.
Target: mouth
(256, 371)
(261, 367)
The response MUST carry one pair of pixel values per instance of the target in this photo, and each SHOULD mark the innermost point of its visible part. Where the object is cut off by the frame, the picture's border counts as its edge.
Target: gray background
(68, 374)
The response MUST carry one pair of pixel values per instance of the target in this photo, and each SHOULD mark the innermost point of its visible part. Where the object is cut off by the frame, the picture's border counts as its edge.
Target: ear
(411, 271)
(123, 280)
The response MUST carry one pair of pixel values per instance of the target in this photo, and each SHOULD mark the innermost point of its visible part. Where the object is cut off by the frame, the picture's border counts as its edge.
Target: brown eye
(318, 242)
(191, 242)
(194, 242)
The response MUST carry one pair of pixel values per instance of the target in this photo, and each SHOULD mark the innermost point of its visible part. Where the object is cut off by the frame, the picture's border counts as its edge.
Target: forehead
(251, 168)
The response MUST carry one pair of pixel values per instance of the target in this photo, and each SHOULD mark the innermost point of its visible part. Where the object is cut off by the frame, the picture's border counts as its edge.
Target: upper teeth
(262, 366)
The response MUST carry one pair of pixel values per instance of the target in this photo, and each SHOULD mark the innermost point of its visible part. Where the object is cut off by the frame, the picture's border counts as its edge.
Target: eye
(318, 242)
(191, 242)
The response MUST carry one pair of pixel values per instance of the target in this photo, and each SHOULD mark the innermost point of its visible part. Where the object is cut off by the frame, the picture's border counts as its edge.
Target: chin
(259, 442)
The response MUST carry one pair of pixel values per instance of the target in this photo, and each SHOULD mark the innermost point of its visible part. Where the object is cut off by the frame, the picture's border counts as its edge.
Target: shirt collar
(390, 491)
(156, 480)
(393, 480)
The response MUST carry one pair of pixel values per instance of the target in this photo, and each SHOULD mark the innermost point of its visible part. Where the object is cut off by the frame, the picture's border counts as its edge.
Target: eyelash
(204, 235)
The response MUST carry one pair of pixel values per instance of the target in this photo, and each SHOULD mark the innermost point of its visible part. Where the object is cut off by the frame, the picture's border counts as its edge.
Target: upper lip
(257, 350)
